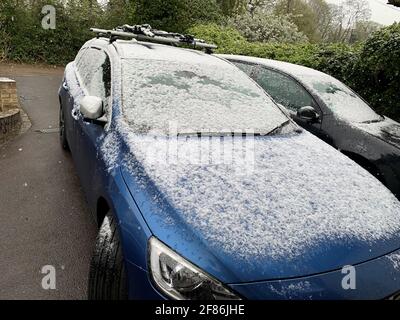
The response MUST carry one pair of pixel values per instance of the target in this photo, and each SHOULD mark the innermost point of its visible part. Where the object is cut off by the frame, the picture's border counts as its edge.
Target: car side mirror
(308, 113)
(91, 107)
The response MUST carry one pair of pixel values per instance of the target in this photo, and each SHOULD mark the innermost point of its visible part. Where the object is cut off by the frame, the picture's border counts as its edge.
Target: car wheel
(107, 276)
(63, 137)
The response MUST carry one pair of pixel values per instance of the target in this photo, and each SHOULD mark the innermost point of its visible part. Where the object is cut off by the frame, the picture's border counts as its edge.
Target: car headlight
(181, 280)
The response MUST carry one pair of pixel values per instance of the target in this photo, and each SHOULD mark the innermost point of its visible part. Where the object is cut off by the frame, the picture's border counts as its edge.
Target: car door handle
(75, 114)
(65, 86)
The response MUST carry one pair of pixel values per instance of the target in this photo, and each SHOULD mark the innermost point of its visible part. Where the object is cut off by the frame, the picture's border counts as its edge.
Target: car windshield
(194, 98)
(341, 100)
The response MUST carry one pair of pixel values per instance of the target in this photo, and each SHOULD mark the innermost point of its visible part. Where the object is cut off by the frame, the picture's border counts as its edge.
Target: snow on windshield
(197, 97)
(340, 99)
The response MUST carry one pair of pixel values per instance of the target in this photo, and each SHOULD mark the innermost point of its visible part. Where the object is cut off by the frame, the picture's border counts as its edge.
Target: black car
(330, 110)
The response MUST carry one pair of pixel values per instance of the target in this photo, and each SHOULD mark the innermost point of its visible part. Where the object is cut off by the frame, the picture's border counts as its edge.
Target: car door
(69, 93)
(67, 104)
(95, 76)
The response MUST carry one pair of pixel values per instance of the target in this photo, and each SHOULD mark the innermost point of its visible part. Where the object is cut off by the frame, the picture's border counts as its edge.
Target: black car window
(94, 70)
(283, 89)
(246, 68)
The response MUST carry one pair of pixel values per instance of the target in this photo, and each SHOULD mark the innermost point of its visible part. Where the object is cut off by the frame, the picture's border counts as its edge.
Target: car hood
(387, 130)
(273, 208)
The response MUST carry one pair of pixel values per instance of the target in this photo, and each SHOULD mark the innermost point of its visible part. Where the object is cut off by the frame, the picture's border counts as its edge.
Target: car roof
(132, 49)
(286, 67)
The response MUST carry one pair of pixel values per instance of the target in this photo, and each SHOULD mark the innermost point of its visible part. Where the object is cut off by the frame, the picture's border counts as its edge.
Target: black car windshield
(190, 97)
(341, 100)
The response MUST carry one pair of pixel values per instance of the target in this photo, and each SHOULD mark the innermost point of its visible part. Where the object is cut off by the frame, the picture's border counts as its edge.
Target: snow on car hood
(300, 208)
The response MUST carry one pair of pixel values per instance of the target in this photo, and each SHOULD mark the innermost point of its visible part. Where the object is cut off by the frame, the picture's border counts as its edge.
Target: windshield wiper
(233, 133)
(273, 131)
(382, 118)
(220, 134)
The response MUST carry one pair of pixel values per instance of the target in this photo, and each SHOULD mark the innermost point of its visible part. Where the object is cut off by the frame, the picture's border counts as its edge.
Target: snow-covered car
(333, 112)
(203, 188)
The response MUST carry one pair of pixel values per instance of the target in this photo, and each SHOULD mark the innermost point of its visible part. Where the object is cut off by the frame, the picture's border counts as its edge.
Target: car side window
(245, 67)
(94, 69)
(283, 89)
(79, 55)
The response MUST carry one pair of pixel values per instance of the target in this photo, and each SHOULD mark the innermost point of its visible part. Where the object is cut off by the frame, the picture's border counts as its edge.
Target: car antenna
(145, 32)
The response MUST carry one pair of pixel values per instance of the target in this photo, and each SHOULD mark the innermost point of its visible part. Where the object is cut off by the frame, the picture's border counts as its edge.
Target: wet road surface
(44, 219)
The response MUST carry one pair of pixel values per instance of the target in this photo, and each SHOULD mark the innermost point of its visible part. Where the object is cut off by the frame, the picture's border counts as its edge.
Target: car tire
(63, 136)
(107, 276)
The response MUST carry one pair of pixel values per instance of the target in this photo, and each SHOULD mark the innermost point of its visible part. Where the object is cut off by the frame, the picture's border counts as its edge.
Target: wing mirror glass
(308, 113)
(91, 107)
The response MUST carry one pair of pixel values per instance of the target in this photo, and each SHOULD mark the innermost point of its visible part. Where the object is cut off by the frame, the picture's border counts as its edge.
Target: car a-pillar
(10, 114)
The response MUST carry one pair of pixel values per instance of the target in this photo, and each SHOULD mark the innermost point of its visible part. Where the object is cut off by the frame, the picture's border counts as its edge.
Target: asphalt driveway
(44, 219)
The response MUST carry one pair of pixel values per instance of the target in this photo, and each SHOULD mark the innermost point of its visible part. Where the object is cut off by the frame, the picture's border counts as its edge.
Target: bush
(267, 27)
(27, 41)
(337, 60)
(177, 15)
(377, 71)
(230, 40)
(227, 39)
(23, 39)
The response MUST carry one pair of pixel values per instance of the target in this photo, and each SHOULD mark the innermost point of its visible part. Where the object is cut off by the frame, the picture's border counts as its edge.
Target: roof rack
(144, 32)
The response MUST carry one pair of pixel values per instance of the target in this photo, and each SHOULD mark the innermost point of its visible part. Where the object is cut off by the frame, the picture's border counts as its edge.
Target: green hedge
(24, 39)
(372, 68)
(376, 74)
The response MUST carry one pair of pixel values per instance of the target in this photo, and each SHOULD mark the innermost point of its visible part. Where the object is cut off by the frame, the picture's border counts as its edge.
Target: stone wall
(10, 117)
(8, 95)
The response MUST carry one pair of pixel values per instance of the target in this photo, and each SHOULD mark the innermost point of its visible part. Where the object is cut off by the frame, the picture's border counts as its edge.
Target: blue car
(204, 188)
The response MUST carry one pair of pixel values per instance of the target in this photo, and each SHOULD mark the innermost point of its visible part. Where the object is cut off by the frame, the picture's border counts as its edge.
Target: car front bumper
(374, 279)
